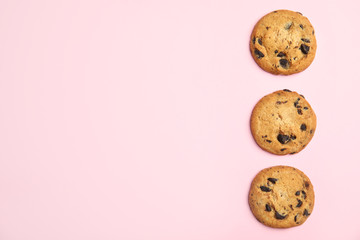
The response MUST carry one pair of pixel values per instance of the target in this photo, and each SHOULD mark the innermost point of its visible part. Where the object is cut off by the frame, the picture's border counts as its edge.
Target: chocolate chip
(283, 139)
(284, 63)
(303, 127)
(283, 149)
(279, 216)
(286, 90)
(311, 131)
(306, 108)
(296, 102)
(293, 153)
(299, 111)
(306, 213)
(276, 51)
(269, 141)
(307, 184)
(299, 13)
(267, 28)
(253, 40)
(293, 137)
(302, 27)
(291, 207)
(313, 32)
(281, 54)
(302, 96)
(295, 218)
(259, 41)
(265, 136)
(267, 208)
(258, 54)
(273, 180)
(304, 48)
(297, 193)
(305, 40)
(265, 189)
(304, 194)
(288, 26)
(299, 203)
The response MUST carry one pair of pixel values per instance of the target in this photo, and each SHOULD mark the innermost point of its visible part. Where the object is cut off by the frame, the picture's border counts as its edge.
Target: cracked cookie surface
(283, 42)
(281, 197)
(283, 122)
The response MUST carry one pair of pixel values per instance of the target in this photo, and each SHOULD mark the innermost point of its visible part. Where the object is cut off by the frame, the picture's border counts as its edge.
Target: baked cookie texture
(283, 42)
(281, 197)
(283, 122)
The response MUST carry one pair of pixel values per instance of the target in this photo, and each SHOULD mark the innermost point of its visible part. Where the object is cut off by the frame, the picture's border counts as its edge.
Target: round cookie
(283, 122)
(283, 42)
(281, 197)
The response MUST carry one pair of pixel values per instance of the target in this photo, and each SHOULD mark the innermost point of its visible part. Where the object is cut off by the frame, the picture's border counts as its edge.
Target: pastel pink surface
(130, 120)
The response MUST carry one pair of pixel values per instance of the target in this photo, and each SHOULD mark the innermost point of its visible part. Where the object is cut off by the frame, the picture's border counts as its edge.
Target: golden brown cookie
(283, 42)
(281, 197)
(283, 122)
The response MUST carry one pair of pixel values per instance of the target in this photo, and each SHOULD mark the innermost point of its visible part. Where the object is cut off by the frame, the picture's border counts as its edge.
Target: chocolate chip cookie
(283, 42)
(283, 122)
(281, 197)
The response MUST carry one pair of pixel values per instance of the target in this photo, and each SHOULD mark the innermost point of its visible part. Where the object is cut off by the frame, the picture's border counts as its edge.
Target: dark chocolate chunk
(253, 40)
(299, 111)
(293, 137)
(304, 194)
(299, 203)
(302, 27)
(283, 149)
(283, 139)
(305, 40)
(279, 216)
(306, 108)
(297, 193)
(267, 28)
(267, 208)
(304, 48)
(258, 54)
(276, 51)
(284, 63)
(295, 218)
(286, 90)
(259, 41)
(273, 180)
(306, 213)
(303, 127)
(269, 141)
(265, 189)
(302, 96)
(281, 54)
(296, 102)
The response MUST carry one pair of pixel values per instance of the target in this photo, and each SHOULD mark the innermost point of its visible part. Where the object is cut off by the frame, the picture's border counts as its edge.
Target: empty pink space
(130, 120)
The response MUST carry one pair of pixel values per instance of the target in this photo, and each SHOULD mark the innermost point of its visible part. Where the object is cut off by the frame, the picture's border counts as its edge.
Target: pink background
(130, 120)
